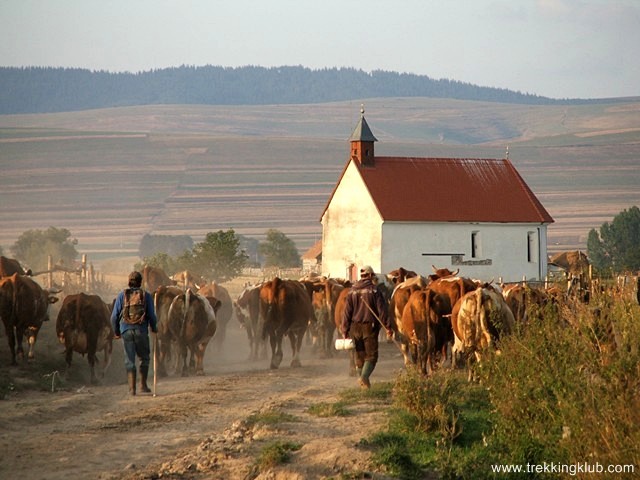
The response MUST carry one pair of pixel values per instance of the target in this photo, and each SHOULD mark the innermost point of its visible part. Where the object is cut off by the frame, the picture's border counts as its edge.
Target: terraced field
(110, 176)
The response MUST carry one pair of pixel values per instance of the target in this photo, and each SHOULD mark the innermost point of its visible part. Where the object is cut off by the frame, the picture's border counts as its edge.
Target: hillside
(112, 175)
(48, 89)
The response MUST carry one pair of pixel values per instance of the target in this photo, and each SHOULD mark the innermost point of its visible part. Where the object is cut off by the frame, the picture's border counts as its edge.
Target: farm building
(312, 258)
(476, 215)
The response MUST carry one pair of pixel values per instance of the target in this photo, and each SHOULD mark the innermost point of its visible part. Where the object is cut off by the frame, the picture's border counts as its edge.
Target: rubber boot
(131, 377)
(367, 369)
(144, 372)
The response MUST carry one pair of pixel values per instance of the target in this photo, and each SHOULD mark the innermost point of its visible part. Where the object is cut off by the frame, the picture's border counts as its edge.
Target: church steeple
(362, 142)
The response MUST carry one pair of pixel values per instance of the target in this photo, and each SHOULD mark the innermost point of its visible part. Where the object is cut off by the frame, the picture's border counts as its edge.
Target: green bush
(567, 389)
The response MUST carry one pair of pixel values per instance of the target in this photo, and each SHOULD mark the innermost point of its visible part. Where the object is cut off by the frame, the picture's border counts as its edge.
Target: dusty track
(194, 427)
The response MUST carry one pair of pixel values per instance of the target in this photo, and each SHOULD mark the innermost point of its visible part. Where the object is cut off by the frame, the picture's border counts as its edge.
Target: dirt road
(196, 426)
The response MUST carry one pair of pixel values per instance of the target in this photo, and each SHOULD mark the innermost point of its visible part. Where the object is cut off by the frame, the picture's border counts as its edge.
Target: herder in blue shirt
(133, 314)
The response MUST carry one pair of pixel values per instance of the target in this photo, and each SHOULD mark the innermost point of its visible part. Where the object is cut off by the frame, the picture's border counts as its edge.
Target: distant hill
(47, 89)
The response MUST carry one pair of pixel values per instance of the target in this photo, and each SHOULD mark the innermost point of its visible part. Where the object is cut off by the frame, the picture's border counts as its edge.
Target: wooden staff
(155, 362)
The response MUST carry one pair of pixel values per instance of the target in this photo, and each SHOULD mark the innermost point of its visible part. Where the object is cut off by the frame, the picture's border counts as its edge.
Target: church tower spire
(362, 142)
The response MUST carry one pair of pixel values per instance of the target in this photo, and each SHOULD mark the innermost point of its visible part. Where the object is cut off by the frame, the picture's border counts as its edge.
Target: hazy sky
(556, 48)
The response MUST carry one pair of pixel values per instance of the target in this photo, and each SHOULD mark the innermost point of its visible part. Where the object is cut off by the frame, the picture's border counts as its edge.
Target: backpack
(134, 307)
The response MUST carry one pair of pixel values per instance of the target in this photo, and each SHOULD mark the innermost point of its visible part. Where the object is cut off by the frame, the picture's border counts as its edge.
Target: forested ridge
(49, 89)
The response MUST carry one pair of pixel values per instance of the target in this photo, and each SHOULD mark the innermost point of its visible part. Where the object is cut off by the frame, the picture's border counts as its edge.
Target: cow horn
(455, 273)
(434, 268)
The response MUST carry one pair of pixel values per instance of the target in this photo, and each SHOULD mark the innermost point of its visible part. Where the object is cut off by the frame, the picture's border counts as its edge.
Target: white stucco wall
(501, 250)
(351, 228)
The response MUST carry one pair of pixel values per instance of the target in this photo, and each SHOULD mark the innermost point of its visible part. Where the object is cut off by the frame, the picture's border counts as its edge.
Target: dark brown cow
(285, 309)
(424, 326)
(225, 312)
(247, 308)
(162, 299)
(153, 277)
(399, 275)
(9, 266)
(84, 326)
(191, 324)
(478, 320)
(23, 307)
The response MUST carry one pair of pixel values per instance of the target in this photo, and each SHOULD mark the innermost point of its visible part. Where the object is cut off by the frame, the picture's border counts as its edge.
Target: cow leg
(183, 356)
(296, 345)
(11, 339)
(19, 350)
(92, 367)
(328, 339)
(164, 354)
(107, 359)
(276, 351)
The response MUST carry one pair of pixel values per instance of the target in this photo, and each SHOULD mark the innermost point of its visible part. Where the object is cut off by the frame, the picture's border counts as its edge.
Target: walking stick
(397, 344)
(155, 362)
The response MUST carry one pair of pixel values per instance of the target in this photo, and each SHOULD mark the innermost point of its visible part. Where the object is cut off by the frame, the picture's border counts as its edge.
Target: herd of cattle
(436, 318)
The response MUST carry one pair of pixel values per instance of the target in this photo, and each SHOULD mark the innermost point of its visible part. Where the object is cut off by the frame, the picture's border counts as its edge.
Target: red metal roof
(451, 190)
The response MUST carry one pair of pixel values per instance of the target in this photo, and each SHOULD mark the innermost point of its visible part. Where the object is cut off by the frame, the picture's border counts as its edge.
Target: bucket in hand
(344, 344)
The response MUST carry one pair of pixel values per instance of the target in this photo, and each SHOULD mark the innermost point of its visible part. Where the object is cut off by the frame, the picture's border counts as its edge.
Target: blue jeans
(135, 343)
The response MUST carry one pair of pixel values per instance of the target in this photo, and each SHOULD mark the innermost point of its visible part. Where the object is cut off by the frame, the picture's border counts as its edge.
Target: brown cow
(399, 275)
(247, 308)
(479, 319)
(84, 325)
(441, 273)
(162, 299)
(425, 327)
(453, 287)
(324, 303)
(154, 277)
(285, 309)
(225, 312)
(399, 299)
(23, 307)
(521, 298)
(187, 279)
(9, 266)
(191, 324)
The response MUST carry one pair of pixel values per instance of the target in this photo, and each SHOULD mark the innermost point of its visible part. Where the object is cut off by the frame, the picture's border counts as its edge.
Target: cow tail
(481, 326)
(484, 321)
(14, 302)
(187, 300)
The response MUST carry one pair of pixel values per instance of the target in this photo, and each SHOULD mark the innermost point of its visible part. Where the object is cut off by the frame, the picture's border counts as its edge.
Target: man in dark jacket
(365, 312)
(131, 320)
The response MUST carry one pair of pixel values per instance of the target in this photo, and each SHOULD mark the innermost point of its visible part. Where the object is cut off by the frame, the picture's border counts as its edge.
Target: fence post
(83, 272)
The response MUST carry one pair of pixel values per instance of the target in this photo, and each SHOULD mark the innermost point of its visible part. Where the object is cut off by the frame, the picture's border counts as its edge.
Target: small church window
(475, 244)
(531, 244)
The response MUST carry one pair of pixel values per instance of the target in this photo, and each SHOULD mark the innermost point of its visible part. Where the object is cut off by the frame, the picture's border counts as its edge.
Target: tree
(34, 246)
(218, 257)
(279, 250)
(617, 245)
